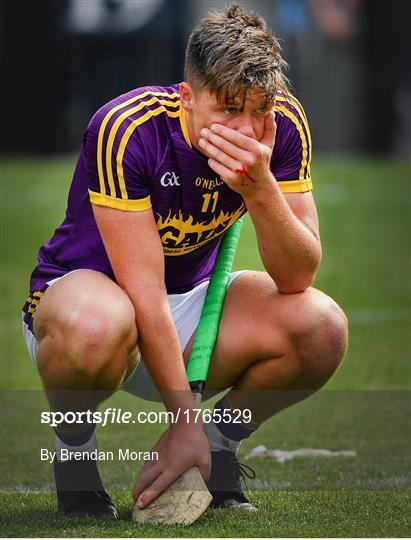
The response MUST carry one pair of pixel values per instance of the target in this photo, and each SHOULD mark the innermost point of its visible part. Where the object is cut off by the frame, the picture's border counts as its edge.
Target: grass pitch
(364, 213)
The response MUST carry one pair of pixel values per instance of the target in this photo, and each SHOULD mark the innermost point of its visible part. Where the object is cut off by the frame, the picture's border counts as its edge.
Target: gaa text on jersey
(169, 179)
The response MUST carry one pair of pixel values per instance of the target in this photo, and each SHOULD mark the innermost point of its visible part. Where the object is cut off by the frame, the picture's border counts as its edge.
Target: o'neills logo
(169, 179)
(206, 183)
(182, 234)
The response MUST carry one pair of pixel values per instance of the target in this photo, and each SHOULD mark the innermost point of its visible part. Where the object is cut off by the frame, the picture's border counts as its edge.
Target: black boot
(80, 492)
(225, 482)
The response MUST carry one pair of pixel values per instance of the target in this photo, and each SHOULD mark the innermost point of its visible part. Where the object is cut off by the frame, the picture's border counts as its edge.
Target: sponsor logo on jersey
(169, 179)
(206, 183)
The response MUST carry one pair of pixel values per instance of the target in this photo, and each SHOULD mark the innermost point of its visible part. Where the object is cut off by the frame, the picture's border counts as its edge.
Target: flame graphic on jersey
(185, 235)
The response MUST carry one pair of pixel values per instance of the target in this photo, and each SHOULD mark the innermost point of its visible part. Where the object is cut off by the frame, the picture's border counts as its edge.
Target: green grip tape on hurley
(207, 329)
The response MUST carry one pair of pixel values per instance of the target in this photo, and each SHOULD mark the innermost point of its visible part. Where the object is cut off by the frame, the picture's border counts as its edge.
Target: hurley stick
(207, 329)
(188, 497)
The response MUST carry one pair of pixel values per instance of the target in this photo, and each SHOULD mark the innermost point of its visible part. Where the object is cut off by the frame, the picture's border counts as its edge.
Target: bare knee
(93, 337)
(319, 332)
(95, 330)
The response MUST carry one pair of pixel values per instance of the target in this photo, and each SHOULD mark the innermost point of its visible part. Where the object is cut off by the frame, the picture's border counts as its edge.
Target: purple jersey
(135, 155)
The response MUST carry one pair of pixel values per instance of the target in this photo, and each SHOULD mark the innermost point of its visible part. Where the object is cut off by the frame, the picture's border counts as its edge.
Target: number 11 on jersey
(207, 199)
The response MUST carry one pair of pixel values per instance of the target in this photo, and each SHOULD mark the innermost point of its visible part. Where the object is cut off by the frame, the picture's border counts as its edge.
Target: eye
(262, 109)
(230, 110)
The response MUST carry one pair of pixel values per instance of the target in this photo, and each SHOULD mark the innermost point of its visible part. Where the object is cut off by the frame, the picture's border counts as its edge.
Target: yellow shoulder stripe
(183, 124)
(293, 101)
(295, 186)
(130, 205)
(113, 132)
(303, 137)
(107, 119)
(299, 108)
(126, 137)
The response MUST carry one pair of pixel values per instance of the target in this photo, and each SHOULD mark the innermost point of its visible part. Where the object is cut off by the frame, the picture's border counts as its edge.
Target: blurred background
(350, 67)
(62, 59)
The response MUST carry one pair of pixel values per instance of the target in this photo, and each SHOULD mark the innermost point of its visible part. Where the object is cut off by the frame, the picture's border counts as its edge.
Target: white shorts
(185, 309)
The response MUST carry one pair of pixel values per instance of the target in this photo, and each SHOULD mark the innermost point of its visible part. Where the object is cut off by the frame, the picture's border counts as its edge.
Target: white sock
(87, 447)
(217, 440)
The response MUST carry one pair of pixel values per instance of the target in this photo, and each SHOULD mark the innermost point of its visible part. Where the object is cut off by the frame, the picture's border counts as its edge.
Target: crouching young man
(116, 297)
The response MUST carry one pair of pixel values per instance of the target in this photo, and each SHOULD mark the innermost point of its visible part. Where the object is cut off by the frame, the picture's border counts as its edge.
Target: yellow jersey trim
(293, 101)
(105, 121)
(111, 138)
(33, 302)
(127, 135)
(303, 138)
(183, 125)
(130, 205)
(295, 186)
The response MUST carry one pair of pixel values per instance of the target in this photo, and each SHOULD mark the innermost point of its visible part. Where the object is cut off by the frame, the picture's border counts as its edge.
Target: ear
(186, 96)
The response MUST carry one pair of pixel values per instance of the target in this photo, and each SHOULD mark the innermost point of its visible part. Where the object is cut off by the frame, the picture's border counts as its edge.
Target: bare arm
(134, 248)
(287, 234)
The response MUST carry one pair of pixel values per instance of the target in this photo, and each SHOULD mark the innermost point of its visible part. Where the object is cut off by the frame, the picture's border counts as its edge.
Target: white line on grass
(256, 484)
(286, 455)
(48, 488)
